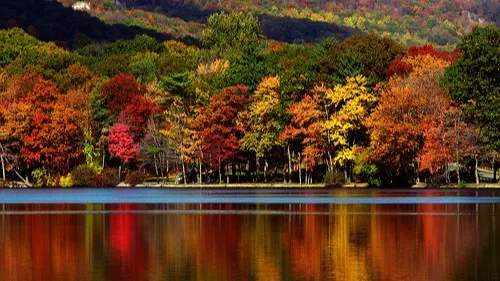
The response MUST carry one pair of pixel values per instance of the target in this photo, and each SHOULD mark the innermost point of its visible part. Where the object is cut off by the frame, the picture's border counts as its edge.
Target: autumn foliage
(121, 143)
(366, 109)
(42, 122)
(136, 114)
(416, 123)
(119, 92)
(307, 127)
(217, 127)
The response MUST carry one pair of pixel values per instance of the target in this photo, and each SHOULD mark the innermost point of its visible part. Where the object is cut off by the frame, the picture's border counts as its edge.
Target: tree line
(241, 108)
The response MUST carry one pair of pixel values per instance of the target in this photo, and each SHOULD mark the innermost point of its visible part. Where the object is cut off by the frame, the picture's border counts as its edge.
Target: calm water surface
(156, 234)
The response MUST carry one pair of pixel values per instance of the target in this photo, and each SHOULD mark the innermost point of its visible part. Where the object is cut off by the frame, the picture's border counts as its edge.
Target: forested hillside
(439, 22)
(51, 21)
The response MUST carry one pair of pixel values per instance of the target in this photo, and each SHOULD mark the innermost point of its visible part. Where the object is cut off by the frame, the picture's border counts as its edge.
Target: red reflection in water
(218, 246)
(128, 252)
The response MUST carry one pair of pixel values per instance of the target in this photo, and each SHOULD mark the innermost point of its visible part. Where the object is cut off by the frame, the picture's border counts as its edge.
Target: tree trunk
(289, 165)
(25, 179)
(156, 166)
(119, 173)
(476, 172)
(284, 173)
(239, 171)
(447, 174)
(306, 179)
(3, 168)
(227, 172)
(183, 171)
(300, 170)
(265, 169)
(494, 171)
(247, 173)
(220, 173)
(200, 179)
(330, 161)
(233, 168)
(168, 169)
(161, 174)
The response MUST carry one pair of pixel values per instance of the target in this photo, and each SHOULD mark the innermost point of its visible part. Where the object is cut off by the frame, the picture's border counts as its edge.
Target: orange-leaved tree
(412, 106)
(307, 127)
(42, 123)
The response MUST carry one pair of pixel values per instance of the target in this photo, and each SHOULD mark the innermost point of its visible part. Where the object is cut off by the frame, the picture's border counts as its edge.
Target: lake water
(158, 234)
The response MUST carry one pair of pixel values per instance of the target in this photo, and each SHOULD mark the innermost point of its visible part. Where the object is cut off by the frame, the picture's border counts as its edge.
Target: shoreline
(471, 186)
(468, 186)
(269, 185)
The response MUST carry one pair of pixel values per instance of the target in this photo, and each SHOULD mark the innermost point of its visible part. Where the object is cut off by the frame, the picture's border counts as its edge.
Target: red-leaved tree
(121, 144)
(119, 91)
(217, 127)
(136, 114)
(401, 66)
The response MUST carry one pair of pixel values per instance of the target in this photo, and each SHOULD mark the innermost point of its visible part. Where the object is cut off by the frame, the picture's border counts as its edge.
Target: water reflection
(272, 242)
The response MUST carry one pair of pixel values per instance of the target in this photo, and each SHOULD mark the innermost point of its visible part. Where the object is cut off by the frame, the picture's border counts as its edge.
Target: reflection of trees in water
(342, 246)
(40, 247)
(427, 247)
(126, 244)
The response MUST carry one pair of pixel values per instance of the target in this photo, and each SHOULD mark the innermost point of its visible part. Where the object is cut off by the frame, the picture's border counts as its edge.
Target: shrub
(371, 174)
(107, 178)
(144, 69)
(66, 181)
(334, 179)
(462, 184)
(135, 177)
(366, 171)
(83, 175)
(41, 178)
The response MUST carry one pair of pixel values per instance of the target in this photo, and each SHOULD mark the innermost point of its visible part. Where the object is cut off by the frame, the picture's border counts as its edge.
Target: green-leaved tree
(474, 81)
(230, 32)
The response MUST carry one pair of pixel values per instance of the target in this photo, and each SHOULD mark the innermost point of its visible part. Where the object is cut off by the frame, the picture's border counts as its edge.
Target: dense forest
(233, 106)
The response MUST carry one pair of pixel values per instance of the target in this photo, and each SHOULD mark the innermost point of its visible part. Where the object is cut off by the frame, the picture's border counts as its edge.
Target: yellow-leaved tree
(261, 120)
(350, 106)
